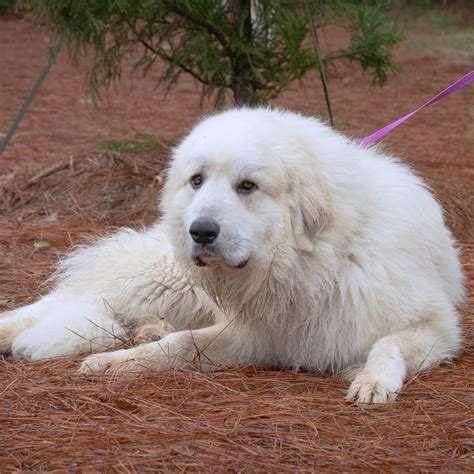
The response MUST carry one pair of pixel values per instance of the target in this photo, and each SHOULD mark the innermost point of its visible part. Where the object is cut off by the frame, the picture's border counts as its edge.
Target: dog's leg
(60, 323)
(395, 357)
(205, 349)
(104, 293)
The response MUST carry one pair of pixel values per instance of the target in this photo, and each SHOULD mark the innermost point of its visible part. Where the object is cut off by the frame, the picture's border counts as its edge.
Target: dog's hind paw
(11, 327)
(6, 338)
(153, 332)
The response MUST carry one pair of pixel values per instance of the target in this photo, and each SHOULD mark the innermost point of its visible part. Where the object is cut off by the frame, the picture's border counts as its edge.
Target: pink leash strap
(469, 77)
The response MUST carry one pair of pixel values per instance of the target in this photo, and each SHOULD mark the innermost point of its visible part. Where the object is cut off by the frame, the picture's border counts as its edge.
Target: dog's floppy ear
(309, 215)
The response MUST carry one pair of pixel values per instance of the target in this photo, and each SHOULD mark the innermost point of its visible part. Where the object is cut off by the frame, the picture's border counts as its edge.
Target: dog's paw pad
(367, 389)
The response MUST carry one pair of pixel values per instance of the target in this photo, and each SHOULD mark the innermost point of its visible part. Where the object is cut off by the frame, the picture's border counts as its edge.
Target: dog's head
(243, 188)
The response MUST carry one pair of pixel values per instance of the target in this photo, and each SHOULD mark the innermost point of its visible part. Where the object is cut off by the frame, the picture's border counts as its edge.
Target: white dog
(282, 242)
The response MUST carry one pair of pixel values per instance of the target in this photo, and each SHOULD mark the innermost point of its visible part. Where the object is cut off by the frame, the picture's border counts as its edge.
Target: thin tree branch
(319, 58)
(166, 57)
(199, 22)
(342, 54)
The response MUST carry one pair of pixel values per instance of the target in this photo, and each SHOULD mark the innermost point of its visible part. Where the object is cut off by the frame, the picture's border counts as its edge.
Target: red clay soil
(248, 419)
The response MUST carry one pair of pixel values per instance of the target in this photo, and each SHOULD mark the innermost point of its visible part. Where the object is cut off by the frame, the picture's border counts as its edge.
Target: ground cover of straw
(59, 185)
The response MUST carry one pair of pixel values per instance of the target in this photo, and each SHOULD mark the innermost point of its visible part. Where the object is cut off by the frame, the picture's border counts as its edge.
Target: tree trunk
(244, 92)
(240, 15)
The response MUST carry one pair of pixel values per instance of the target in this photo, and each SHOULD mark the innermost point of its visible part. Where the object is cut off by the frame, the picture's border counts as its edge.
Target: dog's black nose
(204, 230)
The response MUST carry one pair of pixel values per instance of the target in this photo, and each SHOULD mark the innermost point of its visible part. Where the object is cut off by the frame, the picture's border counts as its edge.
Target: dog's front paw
(108, 363)
(369, 389)
(95, 364)
(124, 360)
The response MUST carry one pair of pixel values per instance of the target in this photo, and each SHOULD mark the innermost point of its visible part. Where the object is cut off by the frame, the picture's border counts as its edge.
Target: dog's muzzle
(207, 250)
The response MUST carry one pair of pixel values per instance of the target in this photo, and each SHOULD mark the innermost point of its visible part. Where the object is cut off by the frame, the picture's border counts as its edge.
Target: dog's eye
(247, 187)
(196, 181)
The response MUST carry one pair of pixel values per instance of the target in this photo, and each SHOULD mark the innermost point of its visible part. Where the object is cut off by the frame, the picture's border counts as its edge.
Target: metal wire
(29, 98)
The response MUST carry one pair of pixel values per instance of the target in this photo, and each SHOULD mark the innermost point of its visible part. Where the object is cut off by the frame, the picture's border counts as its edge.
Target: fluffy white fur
(338, 260)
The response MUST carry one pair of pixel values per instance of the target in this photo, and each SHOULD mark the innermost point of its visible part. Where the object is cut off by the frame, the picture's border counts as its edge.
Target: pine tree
(249, 49)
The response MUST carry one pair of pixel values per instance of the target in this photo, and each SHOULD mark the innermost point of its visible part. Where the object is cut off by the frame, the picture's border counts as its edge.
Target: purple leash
(469, 77)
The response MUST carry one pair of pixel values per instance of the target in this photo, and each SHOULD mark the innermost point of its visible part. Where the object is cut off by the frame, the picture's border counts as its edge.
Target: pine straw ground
(246, 419)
